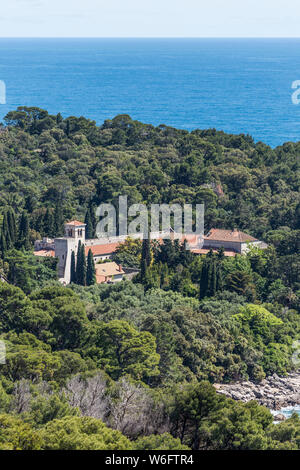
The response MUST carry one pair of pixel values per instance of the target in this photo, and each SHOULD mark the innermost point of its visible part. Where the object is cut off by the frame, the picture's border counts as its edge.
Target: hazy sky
(150, 18)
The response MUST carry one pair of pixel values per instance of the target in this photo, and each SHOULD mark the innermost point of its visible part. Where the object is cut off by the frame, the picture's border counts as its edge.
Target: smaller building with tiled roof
(231, 240)
(109, 272)
(229, 235)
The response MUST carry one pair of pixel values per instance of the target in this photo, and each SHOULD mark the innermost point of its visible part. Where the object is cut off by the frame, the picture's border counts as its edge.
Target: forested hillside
(132, 365)
(47, 160)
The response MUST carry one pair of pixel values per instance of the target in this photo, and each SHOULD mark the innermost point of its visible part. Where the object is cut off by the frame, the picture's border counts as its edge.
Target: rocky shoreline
(273, 392)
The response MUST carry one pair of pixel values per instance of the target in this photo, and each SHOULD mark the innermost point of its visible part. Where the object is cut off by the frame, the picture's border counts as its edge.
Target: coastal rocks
(274, 392)
(279, 417)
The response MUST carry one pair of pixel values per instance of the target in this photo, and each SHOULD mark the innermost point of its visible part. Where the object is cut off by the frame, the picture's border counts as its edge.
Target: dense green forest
(133, 365)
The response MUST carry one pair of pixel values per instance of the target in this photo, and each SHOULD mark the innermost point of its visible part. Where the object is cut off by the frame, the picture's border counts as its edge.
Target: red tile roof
(106, 271)
(105, 249)
(108, 248)
(192, 239)
(109, 269)
(229, 236)
(76, 223)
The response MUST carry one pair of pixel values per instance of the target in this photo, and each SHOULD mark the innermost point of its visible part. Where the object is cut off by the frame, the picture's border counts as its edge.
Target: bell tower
(75, 230)
(74, 233)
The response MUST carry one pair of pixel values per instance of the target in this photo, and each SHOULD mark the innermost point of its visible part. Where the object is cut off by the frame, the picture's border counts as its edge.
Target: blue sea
(287, 411)
(237, 85)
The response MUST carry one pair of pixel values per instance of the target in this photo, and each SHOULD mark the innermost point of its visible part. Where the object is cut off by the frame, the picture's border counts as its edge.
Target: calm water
(288, 411)
(234, 85)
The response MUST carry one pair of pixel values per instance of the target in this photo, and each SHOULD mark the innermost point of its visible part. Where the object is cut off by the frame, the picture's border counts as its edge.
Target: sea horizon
(153, 37)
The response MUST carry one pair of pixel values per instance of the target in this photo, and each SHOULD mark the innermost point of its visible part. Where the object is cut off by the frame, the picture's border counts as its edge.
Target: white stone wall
(63, 251)
(122, 238)
(101, 257)
(228, 245)
(257, 244)
(45, 244)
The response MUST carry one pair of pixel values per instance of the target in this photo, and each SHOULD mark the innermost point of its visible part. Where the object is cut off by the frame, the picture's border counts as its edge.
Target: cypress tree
(59, 118)
(145, 259)
(90, 221)
(221, 255)
(58, 219)
(212, 276)
(213, 279)
(167, 253)
(93, 218)
(11, 225)
(73, 267)
(143, 273)
(89, 226)
(91, 271)
(39, 224)
(5, 232)
(23, 238)
(49, 223)
(164, 276)
(81, 265)
(220, 271)
(209, 279)
(205, 280)
(29, 204)
(146, 254)
(2, 245)
(78, 262)
(186, 256)
(220, 277)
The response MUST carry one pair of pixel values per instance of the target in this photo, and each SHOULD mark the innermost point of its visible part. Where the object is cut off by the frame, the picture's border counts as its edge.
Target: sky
(149, 18)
